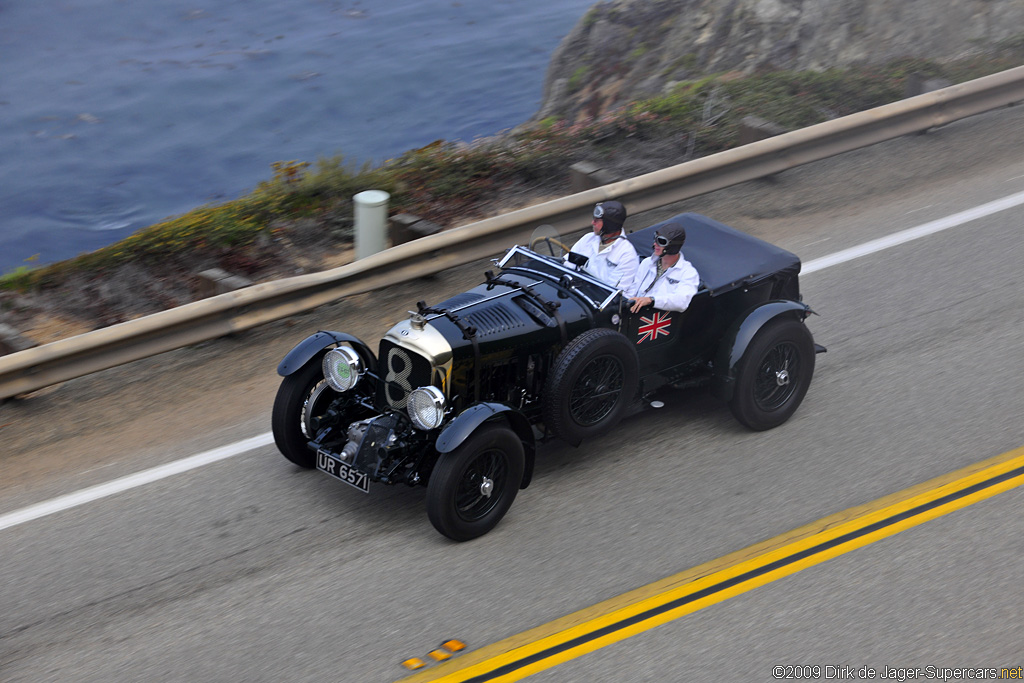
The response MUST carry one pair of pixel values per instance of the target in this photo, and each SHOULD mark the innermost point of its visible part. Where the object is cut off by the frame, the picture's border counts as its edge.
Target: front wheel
(774, 374)
(303, 396)
(472, 487)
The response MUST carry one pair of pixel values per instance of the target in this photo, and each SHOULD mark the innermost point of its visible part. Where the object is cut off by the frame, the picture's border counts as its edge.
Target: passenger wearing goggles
(665, 280)
(611, 257)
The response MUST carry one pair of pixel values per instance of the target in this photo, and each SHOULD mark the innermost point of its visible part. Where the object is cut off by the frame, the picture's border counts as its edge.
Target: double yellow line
(642, 609)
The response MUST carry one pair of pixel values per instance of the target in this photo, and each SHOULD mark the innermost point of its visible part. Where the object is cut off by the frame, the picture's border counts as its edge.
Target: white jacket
(615, 265)
(673, 290)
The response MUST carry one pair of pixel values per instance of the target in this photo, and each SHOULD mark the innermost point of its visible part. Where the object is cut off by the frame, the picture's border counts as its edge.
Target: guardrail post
(371, 222)
(586, 175)
(406, 227)
(918, 84)
(215, 281)
(754, 128)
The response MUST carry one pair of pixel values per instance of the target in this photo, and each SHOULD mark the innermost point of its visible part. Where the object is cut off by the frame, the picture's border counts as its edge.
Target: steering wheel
(549, 241)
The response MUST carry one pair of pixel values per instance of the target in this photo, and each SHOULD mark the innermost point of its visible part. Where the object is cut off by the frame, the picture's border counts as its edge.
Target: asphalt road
(249, 569)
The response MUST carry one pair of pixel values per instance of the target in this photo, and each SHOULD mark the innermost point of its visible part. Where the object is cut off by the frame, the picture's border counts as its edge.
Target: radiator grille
(401, 371)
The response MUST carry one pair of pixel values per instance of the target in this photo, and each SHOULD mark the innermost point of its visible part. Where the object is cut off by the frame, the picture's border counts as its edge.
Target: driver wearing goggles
(611, 257)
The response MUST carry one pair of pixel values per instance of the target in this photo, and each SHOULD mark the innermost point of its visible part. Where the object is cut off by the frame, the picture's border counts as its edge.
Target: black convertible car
(459, 394)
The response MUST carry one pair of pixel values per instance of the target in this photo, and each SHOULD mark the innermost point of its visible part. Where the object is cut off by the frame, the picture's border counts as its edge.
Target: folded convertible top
(724, 257)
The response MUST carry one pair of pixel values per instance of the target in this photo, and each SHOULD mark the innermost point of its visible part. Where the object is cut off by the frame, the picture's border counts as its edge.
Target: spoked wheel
(774, 374)
(773, 382)
(596, 391)
(303, 396)
(472, 487)
(474, 495)
(591, 384)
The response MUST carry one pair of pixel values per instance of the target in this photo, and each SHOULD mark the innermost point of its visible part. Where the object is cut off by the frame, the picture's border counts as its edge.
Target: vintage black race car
(459, 394)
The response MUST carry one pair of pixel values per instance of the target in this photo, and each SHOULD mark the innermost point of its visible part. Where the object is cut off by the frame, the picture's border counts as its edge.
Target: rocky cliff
(626, 49)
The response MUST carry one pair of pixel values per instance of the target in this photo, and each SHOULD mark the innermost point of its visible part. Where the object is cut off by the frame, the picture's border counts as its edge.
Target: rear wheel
(472, 487)
(303, 396)
(774, 374)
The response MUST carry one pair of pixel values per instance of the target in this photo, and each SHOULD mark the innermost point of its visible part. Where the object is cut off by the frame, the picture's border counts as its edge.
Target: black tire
(592, 383)
(304, 394)
(773, 375)
(457, 504)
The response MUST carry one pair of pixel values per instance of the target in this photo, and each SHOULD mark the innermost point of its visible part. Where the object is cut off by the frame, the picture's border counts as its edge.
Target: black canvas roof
(724, 257)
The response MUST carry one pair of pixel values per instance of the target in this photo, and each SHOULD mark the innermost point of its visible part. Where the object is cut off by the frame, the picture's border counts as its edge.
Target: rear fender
(309, 347)
(738, 337)
(471, 418)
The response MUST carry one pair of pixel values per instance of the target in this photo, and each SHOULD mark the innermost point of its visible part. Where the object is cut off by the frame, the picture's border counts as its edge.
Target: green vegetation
(577, 78)
(447, 181)
(687, 62)
(793, 99)
(20, 278)
(638, 52)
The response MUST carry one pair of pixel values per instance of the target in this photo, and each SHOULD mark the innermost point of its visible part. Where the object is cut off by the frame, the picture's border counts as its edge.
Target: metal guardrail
(217, 316)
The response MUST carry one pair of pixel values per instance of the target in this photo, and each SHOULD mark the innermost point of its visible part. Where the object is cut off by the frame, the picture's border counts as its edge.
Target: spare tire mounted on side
(592, 382)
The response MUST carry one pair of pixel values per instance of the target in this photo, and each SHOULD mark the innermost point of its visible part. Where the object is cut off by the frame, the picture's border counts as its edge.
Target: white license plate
(325, 462)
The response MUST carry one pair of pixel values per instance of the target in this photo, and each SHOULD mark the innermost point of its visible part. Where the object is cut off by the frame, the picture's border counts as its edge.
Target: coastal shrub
(205, 229)
(638, 52)
(300, 184)
(18, 279)
(577, 78)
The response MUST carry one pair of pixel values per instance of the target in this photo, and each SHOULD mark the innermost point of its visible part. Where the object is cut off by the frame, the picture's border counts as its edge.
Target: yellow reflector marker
(444, 651)
(453, 645)
(644, 608)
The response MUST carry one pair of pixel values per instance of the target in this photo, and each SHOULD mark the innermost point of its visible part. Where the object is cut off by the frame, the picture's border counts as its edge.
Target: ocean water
(115, 114)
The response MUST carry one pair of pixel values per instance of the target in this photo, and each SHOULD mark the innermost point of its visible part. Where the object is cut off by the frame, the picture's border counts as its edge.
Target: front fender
(306, 349)
(737, 338)
(459, 429)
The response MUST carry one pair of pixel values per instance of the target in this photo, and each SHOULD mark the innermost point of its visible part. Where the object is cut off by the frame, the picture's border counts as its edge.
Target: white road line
(909, 234)
(131, 481)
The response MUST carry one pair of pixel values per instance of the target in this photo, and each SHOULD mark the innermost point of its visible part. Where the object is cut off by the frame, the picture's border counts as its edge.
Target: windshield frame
(563, 269)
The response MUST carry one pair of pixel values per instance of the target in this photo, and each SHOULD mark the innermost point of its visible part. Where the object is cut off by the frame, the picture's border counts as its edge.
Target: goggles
(598, 211)
(661, 240)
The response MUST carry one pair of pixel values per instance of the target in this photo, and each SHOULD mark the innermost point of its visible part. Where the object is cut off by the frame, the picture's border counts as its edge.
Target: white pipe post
(371, 216)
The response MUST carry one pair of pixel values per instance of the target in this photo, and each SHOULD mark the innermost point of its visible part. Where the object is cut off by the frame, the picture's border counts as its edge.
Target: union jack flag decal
(656, 325)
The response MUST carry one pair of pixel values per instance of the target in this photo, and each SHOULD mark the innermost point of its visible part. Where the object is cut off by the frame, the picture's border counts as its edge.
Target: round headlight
(342, 368)
(426, 407)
